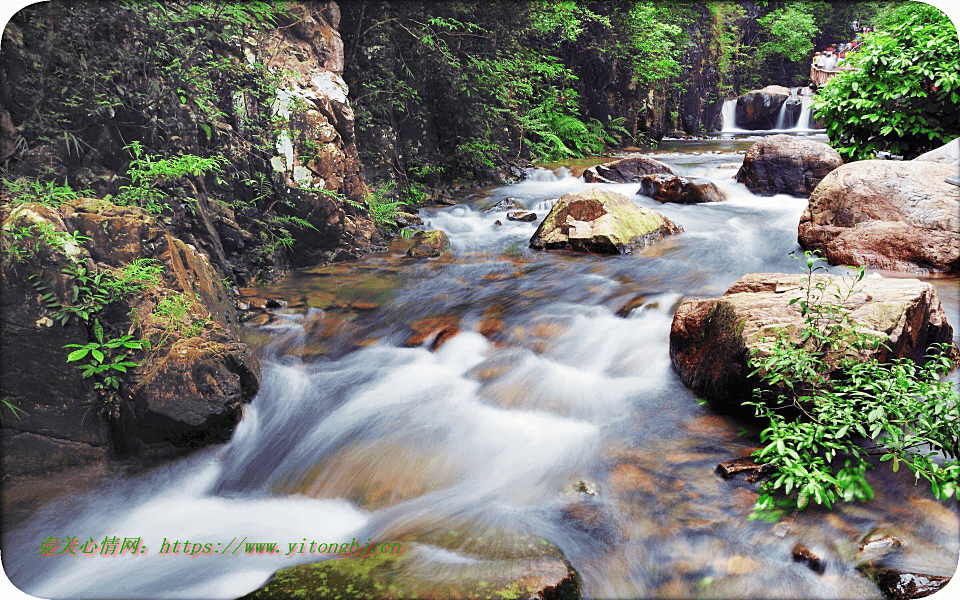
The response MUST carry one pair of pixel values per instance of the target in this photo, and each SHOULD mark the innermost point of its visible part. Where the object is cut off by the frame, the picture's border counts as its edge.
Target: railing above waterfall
(820, 76)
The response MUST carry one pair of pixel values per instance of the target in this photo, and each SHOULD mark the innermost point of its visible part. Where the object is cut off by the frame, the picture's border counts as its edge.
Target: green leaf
(77, 354)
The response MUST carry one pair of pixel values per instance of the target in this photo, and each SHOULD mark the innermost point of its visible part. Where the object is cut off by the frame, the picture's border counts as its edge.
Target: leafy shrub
(849, 409)
(905, 95)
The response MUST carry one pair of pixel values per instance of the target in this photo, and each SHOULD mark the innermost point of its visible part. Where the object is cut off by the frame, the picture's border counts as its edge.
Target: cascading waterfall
(803, 121)
(728, 115)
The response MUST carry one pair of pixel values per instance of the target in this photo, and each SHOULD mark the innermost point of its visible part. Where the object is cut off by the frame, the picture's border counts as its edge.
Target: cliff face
(266, 106)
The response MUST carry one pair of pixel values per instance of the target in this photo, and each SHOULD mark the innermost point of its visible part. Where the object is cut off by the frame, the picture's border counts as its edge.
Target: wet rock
(892, 215)
(899, 585)
(758, 109)
(503, 204)
(809, 558)
(711, 340)
(784, 164)
(682, 190)
(625, 171)
(876, 546)
(429, 243)
(600, 221)
(405, 219)
(528, 217)
(754, 471)
(440, 329)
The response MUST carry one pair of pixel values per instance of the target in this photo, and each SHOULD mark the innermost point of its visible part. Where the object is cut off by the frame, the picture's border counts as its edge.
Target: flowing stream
(356, 435)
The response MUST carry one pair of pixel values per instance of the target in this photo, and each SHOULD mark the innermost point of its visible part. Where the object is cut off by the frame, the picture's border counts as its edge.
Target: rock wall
(212, 234)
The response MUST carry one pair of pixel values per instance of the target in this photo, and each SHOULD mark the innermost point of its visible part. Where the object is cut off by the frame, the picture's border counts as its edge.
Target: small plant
(47, 193)
(104, 358)
(383, 209)
(848, 408)
(148, 171)
(177, 313)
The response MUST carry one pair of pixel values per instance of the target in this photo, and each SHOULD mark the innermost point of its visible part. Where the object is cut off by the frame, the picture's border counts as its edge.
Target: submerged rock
(625, 171)
(784, 164)
(711, 340)
(429, 243)
(893, 215)
(805, 556)
(682, 190)
(600, 221)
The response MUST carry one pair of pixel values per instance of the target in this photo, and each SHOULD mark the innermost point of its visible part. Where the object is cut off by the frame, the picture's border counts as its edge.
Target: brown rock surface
(711, 340)
(784, 164)
(429, 243)
(683, 190)
(190, 385)
(890, 215)
(625, 171)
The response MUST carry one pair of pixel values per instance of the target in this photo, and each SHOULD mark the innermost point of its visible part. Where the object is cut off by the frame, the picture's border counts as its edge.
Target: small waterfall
(803, 122)
(728, 115)
(783, 117)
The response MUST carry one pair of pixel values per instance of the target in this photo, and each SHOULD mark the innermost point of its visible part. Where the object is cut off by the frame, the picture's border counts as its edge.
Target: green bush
(905, 95)
(830, 410)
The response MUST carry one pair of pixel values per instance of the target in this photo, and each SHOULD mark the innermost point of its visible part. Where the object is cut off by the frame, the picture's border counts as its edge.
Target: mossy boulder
(600, 221)
(420, 570)
(711, 340)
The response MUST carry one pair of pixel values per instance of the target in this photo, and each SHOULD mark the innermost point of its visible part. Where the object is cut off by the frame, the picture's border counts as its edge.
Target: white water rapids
(374, 440)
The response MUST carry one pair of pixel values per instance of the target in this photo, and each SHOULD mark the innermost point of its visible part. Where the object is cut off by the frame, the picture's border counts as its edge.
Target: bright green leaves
(826, 409)
(905, 95)
(147, 171)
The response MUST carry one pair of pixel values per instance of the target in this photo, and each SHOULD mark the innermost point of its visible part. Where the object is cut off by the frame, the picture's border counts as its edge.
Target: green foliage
(181, 314)
(48, 193)
(148, 172)
(830, 410)
(383, 205)
(104, 358)
(279, 233)
(791, 33)
(905, 95)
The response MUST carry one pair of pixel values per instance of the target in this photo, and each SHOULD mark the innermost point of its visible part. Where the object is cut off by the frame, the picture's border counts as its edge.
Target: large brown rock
(682, 190)
(886, 214)
(948, 154)
(784, 164)
(190, 384)
(758, 109)
(625, 171)
(600, 221)
(711, 340)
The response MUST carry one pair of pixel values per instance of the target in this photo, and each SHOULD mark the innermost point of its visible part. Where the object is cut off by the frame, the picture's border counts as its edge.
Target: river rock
(429, 243)
(682, 190)
(627, 170)
(784, 164)
(758, 109)
(600, 221)
(421, 570)
(527, 217)
(892, 215)
(711, 340)
(901, 585)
